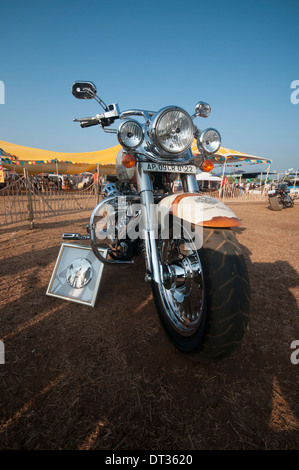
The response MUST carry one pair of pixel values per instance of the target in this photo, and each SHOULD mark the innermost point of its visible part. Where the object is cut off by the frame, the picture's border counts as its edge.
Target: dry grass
(108, 378)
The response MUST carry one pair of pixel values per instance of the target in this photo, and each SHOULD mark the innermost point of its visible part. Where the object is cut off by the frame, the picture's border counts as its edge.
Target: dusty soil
(77, 377)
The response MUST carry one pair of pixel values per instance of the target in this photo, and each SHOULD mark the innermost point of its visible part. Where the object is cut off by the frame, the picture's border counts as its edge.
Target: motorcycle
(279, 197)
(193, 261)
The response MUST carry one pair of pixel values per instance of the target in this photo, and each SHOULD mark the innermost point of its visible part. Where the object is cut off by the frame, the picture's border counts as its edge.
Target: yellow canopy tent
(225, 155)
(17, 157)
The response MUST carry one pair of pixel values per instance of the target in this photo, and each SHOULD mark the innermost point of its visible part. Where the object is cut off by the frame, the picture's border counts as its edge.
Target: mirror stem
(101, 102)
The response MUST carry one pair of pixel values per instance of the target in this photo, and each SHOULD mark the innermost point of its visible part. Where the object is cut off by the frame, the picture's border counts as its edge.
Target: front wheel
(275, 203)
(204, 300)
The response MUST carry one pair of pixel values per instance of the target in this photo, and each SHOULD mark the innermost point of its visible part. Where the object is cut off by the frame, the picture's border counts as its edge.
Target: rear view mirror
(84, 90)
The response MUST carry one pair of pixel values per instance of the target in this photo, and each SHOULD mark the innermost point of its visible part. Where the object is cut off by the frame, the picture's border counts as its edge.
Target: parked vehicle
(193, 260)
(280, 197)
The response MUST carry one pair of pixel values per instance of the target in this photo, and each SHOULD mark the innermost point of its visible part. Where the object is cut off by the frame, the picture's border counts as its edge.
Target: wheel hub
(180, 275)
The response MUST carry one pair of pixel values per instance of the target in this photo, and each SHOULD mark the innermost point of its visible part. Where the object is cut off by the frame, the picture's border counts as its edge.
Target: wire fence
(240, 195)
(21, 201)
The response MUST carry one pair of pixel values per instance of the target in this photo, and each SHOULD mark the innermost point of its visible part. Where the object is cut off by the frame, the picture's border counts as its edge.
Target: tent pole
(295, 179)
(221, 187)
(56, 163)
(268, 169)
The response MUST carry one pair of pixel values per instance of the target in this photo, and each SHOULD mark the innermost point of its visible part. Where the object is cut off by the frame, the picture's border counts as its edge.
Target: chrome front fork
(189, 183)
(149, 224)
(150, 220)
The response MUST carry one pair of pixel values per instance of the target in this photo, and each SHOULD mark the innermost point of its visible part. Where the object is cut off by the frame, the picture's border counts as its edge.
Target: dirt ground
(77, 377)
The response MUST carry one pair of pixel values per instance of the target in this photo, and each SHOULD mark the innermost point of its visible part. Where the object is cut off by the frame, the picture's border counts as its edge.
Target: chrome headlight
(209, 141)
(172, 131)
(130, 134)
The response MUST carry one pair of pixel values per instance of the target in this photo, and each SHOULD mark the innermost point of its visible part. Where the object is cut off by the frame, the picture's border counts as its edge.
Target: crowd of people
(238, 188)
(45, 182)
(235, 188)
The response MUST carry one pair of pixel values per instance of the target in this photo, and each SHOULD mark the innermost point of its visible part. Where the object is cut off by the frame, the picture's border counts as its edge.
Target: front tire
(275, 203)
(213, 310)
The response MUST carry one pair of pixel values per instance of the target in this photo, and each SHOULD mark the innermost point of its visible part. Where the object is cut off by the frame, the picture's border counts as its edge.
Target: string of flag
(243, 159)
(13, 159)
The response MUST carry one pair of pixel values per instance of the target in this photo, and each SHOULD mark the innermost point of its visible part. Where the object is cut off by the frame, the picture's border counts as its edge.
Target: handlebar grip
(89, 123)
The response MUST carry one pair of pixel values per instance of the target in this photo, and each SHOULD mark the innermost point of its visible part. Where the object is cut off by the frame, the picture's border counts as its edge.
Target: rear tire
(225, 299)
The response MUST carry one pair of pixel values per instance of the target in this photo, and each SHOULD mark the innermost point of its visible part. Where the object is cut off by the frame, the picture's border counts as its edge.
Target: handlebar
(107, 118)
(136, 112)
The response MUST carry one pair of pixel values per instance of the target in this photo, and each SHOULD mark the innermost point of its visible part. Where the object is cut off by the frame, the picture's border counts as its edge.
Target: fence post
(29, 199)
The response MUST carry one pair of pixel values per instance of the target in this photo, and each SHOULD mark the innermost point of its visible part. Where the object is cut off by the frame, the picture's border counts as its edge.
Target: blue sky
(239, 56)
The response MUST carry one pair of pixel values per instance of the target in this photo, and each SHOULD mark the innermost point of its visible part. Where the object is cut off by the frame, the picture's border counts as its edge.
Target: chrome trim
(200, 144)
(137, 112)
(74, 236)
(84, 90)
(149, 223)
(190, 184)
(155, 141)
(120, 139)
(92, 231)
(202, 109)
(148, 153)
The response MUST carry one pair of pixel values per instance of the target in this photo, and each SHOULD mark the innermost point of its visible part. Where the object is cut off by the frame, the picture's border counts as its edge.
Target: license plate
(169, 167)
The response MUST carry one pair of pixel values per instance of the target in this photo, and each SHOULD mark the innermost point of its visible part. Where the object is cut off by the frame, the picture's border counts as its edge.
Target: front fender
(199, 210)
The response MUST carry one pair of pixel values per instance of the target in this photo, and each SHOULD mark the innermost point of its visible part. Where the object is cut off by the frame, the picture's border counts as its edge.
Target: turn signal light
(128, 161)
(207, 165)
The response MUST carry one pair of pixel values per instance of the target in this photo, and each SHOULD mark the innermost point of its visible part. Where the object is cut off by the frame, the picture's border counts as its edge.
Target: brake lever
(105, 119)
